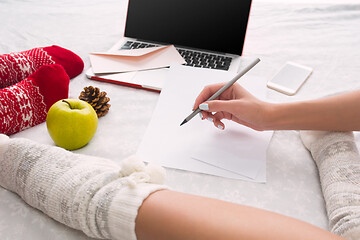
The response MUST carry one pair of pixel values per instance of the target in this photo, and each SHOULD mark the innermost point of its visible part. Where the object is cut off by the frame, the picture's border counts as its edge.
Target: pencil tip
(183, 122)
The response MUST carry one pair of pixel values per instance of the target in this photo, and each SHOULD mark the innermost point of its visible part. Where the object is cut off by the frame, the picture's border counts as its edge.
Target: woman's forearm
(337, 113)
(173, 215)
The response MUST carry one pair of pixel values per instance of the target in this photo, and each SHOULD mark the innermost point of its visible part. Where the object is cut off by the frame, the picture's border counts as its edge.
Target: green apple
(71, 123)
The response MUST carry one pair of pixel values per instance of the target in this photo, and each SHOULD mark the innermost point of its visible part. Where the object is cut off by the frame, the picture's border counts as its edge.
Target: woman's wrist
(302, 115)
(286, 116)
(271, 119)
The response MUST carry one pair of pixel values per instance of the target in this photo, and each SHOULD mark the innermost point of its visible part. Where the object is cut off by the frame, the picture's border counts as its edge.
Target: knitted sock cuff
(111, 211)
(331, 144)
(124, 209)
(352, 234)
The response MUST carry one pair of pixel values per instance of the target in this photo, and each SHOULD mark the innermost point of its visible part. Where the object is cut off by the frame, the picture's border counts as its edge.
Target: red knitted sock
(15, 67)
(26, 103)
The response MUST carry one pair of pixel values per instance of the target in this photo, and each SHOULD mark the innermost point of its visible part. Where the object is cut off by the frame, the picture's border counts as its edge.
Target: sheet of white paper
(236, 149)
(237, 152)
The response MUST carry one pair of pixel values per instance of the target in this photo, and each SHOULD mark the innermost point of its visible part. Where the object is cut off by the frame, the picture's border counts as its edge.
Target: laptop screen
(216, 25)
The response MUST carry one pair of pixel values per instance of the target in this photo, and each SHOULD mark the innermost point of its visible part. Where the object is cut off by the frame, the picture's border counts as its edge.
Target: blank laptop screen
(216, 25)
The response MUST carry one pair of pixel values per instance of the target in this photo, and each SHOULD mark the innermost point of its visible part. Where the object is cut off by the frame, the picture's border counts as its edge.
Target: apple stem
(67, 103)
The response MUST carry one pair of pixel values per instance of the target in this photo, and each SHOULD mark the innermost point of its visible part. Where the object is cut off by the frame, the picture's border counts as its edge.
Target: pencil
(221, 90)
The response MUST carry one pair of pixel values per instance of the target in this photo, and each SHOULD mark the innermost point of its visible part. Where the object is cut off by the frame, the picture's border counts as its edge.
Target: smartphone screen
(290, 78)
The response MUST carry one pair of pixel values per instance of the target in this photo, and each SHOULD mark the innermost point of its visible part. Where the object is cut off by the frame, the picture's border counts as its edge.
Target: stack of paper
(237, 152)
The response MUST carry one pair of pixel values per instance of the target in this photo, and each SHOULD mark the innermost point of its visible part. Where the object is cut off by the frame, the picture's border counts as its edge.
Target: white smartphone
(290, 78)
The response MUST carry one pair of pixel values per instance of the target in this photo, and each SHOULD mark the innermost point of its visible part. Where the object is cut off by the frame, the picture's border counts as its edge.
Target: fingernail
(220, 127)
(204, 106)
(201, 116)
(210, 119)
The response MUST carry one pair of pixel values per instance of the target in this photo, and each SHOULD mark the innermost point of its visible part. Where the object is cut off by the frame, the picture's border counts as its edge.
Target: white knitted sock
(338, 162)
(87, 193)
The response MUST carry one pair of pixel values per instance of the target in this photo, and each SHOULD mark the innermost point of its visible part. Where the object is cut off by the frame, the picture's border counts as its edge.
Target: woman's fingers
(215, 118)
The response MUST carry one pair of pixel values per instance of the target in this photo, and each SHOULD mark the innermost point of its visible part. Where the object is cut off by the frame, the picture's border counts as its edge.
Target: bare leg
(172, 215)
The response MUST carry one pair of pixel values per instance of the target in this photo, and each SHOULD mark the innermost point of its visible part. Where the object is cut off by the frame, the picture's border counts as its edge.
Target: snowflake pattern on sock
(23, 101)
(15, 67)
(87, 193)
(338, 160)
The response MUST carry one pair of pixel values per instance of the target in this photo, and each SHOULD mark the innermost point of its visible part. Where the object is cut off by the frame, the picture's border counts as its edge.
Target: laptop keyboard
(192, 58)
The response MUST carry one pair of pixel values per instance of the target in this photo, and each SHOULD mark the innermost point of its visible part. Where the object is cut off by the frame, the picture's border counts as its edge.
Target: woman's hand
(234, 104)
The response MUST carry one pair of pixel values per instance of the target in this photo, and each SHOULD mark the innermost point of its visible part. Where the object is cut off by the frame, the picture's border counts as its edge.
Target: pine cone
(96, 99)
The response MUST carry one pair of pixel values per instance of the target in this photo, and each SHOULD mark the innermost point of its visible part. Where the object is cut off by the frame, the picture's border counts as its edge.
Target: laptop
(207, 34)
